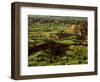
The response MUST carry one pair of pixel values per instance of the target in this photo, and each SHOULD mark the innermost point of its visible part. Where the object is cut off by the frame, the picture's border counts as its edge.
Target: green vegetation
(55, 40)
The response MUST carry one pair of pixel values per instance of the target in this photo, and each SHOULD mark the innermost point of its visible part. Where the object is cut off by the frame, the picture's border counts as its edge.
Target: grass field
(56, 40)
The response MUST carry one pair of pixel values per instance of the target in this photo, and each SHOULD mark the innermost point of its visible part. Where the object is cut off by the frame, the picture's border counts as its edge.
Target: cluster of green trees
(50, 44)
(55, 19)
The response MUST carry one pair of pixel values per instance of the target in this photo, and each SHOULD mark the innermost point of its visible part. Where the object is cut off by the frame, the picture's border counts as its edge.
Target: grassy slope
(39, 33)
